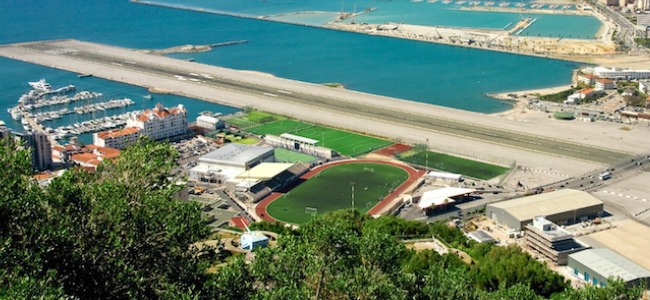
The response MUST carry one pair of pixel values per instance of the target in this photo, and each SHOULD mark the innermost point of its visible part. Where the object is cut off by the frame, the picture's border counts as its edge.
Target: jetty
(193, 48)
(522, 25)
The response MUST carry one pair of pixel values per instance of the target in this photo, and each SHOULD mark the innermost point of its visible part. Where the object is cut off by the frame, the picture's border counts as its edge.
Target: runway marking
(269, 94)
(285, 92)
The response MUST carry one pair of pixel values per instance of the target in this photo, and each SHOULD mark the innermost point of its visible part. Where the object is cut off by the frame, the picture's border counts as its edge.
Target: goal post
(311, 211)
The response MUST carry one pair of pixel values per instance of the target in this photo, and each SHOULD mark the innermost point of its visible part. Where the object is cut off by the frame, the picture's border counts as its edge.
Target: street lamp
(426, 155)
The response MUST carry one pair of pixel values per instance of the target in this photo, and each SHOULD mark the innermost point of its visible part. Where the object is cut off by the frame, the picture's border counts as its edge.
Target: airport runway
(90, 56)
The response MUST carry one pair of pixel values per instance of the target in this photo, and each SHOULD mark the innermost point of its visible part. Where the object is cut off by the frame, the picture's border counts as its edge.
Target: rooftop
(111, 134)
(549, 230)
(235, 153)
(629, 238)
(547, 204)
(265, 171)
(298, 138)
(86, 158)
(610, 264)
(441, 196)
(481, 236)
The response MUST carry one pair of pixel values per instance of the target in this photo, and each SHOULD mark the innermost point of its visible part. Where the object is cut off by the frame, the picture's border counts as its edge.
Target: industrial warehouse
(566, 206)
(596, 266)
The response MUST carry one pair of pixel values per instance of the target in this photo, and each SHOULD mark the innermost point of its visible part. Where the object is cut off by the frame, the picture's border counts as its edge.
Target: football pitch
(453, 164)
(279, 127)
(254, 118)
(331, 189)
(285, 155)
(343, 142)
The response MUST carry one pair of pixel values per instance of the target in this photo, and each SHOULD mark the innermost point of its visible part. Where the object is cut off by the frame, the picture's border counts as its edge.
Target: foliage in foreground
(120, 234)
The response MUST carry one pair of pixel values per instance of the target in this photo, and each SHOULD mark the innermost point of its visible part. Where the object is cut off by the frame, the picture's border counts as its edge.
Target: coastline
(598, 51)
(522, 96)
(575, 50)
(539, 11)
(526, 93)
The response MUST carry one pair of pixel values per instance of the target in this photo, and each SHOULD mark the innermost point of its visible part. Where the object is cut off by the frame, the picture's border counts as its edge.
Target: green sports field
(289, 156)
(254, 118)
(453, 164)
(343, 142)
(279, 127)
(331, 190)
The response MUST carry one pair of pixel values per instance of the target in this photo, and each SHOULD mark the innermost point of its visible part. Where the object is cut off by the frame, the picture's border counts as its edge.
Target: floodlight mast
(352, 184)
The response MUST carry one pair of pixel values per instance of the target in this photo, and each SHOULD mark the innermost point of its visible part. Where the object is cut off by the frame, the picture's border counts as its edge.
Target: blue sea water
(438, 74)
(407, 11)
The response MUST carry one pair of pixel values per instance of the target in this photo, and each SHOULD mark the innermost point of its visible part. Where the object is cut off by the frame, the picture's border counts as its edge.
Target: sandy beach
(527, 10)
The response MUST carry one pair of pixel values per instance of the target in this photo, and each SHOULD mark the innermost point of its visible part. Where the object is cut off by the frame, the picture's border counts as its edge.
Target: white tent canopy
(441, 196)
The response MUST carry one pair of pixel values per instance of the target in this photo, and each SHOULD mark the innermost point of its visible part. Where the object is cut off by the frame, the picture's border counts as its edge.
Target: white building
(644, 86)
(253, 239)
(161, 122)
(225, 163)
(209, 123)
(618, 73)
(573, 98)
(156, 124)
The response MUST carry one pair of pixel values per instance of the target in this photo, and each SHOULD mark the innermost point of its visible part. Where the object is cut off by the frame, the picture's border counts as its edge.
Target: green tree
(503, 267)
(23, 217)
(615, 289)
(122, 235)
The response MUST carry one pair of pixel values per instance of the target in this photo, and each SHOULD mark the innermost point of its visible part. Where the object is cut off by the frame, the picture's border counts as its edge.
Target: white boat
(40, 86)
(15, 113)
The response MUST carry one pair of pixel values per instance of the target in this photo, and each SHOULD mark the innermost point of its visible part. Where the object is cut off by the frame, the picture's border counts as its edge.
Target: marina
(45, 104)
(90, 126)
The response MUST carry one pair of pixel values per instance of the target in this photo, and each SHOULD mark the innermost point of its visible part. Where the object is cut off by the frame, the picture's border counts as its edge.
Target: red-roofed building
(604, 84)
(117, 138)
(588, 79)
(156, 124)
(161, 122)
(91, 156)
(239, 222)
(586, 93)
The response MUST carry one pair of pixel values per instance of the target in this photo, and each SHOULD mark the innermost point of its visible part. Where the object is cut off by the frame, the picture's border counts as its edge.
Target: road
(134, 65)
(619, 170)
(627, 30)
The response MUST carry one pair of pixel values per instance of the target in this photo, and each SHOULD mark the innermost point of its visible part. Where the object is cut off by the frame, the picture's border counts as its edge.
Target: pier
(195, 48)
(375, 114)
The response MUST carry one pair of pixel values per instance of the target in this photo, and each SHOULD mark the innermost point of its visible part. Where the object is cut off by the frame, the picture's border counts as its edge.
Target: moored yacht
(41, 85)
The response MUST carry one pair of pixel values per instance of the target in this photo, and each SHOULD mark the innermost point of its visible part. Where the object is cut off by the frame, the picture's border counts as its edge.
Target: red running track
(394, 149)
(414, 175)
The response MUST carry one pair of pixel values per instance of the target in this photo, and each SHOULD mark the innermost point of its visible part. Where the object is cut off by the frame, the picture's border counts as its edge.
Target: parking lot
(216, 208)
(630, 196)
(191, 149)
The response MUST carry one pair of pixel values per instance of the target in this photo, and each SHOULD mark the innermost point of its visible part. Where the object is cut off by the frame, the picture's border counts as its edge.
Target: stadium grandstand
(441, 197)
(300, 144)
(266, 178)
